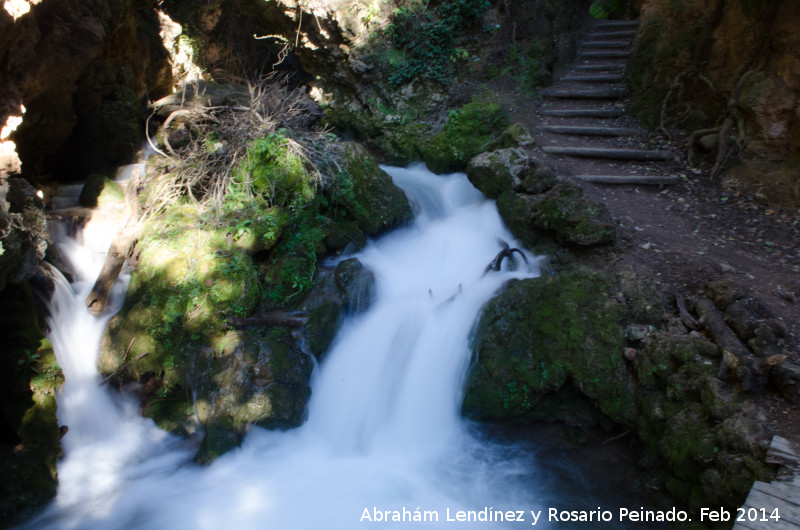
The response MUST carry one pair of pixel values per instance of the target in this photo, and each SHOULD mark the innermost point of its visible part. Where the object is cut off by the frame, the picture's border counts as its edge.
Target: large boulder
(561, 213)
(559, 335)
(376, 203)
(465, 134)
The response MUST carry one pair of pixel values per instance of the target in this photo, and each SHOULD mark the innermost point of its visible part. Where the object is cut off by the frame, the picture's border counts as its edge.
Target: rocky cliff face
(728, 71)
(82, 71)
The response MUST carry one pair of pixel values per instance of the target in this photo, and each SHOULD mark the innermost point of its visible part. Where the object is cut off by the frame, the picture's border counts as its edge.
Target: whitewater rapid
(383, 437)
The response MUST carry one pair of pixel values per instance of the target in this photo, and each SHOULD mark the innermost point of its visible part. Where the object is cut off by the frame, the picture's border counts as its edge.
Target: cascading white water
(383, 433)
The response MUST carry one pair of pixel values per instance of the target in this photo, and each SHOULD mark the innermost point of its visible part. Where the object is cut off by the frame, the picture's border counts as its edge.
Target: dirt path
(684, 234)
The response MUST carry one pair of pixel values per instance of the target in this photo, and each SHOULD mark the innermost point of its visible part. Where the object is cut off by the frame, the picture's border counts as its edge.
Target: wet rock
(264, 380)
(29, 430)
(355, 283)
(378, 204)
(324, 322)
(220, 437)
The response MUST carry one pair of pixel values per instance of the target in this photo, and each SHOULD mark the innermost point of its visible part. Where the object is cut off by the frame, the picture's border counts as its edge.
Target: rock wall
(82, 70)
(729, 64)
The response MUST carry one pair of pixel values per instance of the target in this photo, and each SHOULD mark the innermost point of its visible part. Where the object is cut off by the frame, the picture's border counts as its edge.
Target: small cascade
(384, 434)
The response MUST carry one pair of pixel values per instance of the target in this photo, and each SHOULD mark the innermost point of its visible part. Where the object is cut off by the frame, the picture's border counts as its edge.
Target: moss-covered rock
(189, 279)
(497, 171)
(515, 135)
(377, 203)
(29, 430)
(467, 132)
(573, 219)
(561, 213)
(265, 380)
(544, 333)
(99, 190)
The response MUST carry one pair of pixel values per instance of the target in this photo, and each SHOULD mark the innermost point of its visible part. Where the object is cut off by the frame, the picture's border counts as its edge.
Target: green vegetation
(430, 37)
(609, 8)
(467, 131)
(525, 66)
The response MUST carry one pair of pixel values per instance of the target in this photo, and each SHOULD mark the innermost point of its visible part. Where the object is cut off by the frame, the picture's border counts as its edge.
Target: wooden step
(599, 67)
(626, 34)
(614, 24)
(603, 54)
(597, 93)
(781, 495)
(641, 180)
(606, 44)
(600, 152)
(606, 78)
(590, 131)
(584, 113)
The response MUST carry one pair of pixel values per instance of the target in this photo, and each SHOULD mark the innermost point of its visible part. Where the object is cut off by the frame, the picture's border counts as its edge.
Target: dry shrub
(205, 168)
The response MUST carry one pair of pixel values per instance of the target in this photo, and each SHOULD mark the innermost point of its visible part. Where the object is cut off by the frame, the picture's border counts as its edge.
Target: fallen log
(737, 359)
(118, 252)
(115, 259)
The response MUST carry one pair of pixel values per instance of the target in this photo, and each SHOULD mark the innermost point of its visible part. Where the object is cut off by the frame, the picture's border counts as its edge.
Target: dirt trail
(682, 235)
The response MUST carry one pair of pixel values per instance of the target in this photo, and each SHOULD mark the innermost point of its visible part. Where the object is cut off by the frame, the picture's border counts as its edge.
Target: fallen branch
(119, 251)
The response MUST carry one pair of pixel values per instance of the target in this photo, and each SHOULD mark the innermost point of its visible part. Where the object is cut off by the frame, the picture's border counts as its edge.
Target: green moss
(376, 204)
(467, 132)
(290, 274)
(272, 170)
(402, 144)
(543, 333)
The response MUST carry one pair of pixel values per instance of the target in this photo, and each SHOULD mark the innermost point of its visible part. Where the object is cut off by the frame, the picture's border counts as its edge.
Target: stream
(384, 439)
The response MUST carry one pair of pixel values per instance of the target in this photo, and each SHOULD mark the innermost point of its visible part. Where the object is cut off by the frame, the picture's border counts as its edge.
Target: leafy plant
(429, 38)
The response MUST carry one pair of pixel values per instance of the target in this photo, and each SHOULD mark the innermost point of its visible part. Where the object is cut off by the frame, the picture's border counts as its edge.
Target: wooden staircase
(583, 116)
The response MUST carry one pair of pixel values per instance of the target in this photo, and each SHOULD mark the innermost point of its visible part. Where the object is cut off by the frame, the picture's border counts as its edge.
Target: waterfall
(384, 437)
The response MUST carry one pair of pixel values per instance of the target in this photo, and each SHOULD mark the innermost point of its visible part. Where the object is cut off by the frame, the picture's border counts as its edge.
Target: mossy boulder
(254, 376)
(377, 204)
(515, 135)
(189, 279)
(467, 132)
(542, 334)
(573, 219)
(497, 171)
(402, 144)
(99, 190)
(29, 432)
(561, 213)
(264, 379)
